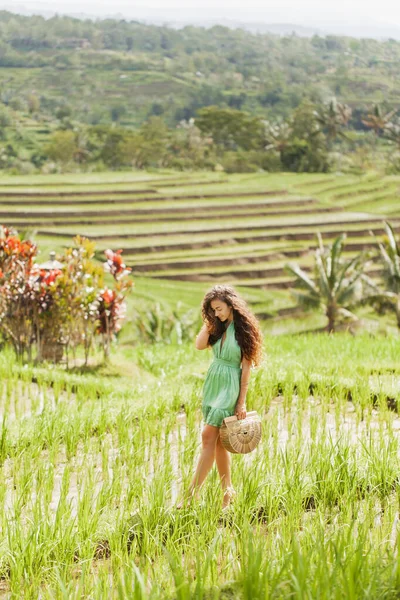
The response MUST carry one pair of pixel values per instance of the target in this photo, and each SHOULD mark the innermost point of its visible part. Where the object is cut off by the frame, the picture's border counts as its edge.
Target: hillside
(123, 71)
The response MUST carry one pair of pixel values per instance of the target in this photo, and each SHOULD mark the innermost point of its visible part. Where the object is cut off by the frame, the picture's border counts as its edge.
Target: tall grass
(92, 465)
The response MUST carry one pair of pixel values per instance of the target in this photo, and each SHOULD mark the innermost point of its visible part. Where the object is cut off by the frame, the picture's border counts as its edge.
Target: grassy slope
(256, 249)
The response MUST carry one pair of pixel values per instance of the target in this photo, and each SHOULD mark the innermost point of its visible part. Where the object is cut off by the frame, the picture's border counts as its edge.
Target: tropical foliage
(52, 309)
(337, 285)
(388, 297)
(156, 324)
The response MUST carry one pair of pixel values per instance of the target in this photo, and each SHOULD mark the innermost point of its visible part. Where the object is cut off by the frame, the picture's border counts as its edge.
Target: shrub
(60, 307)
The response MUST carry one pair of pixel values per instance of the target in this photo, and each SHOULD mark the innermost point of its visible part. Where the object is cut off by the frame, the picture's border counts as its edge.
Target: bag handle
(229, 420)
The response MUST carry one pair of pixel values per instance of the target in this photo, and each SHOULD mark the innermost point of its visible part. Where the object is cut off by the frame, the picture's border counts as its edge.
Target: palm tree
(333, 117)
(390, 258)
(338, 284)
(392, 133)
(377, 120)
(277, 135)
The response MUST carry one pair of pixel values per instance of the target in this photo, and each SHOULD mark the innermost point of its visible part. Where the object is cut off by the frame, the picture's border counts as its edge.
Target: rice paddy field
(94, 460)
(182, 232)
(93, 463)
(205, 227)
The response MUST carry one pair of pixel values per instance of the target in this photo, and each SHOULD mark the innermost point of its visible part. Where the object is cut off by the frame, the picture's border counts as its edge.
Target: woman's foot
(229, 494)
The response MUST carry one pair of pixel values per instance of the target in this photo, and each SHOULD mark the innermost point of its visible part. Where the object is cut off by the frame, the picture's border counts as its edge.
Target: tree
(389, 253)
(231, 128)
(392, 133)
(189, 147)
(63, 112)
(377, 120)
(152, 143)
(111, 151)
(277, 135)
(116, 112)
(338, 284)
(33, 103)
(62, 147)
(305, 150)
(333, 117)
(5, 121)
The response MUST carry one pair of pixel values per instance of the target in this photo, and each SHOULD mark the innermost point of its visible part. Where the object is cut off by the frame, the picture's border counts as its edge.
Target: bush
(270, 161)
(65, 305)
(339, 162)
(240, 162)
(156, 325)
(301, 156)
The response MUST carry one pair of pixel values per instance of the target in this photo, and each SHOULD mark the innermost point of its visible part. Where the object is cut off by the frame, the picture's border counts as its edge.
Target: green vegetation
(84, 95)
(93, 462)
(337, 284)
(94, 455)
(204, 228)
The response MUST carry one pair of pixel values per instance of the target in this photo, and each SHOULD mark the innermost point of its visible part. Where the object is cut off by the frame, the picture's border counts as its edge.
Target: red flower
(13, 243)
(49, 277)
(114, 262)
(108, 296)
(26, 248)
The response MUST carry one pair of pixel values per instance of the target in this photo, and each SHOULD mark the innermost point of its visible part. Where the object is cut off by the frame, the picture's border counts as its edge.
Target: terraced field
(209, 227)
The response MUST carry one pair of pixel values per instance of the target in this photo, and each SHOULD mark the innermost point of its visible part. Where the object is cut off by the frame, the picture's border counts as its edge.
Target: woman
(234, 335)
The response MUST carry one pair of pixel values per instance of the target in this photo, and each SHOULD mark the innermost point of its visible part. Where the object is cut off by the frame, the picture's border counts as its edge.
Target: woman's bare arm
(202, 338)
(240, 409)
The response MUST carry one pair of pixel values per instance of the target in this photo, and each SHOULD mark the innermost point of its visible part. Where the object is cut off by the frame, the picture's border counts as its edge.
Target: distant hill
(361, 29)
(113, 70)
(252, 27)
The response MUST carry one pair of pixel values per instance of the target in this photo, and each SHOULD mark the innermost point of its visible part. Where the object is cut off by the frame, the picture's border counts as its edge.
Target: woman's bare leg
(209, 437)
(223, 460)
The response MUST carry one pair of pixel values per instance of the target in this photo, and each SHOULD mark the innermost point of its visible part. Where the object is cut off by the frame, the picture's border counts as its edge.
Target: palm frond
(391, 238)
(323, 281)
(346, 313)
(351, 289)
(353, 264)
(302, 278)
(334, 260)
(388, 264)
(307, 301)
(370, 287)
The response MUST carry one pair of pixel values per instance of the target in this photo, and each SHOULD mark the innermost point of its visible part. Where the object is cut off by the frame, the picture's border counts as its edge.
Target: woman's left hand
(240, 411)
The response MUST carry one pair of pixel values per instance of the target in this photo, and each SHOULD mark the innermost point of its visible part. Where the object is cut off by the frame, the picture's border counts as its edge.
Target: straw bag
(241, 436)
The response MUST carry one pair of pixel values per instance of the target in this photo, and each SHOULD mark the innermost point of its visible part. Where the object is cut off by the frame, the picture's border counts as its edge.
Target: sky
(301, 12)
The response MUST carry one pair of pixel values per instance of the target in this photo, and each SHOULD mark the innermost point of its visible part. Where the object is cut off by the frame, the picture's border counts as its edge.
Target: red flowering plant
(17, 290)
(48, 314)
(83, 279)
(59, 308)
(112, 305)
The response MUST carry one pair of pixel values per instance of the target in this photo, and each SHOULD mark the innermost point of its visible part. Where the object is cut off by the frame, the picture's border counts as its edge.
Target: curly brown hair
(247, 329)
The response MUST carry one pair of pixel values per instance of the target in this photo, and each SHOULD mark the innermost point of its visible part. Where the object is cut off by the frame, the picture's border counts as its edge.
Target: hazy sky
(305, 12)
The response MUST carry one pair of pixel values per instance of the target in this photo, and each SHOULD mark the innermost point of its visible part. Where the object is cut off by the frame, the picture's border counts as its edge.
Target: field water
(94, 463)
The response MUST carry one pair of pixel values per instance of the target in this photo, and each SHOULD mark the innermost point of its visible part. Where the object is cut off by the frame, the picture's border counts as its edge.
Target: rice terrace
(94, 458)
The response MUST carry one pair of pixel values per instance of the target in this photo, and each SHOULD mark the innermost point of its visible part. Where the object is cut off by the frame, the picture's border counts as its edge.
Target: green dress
(222, 384)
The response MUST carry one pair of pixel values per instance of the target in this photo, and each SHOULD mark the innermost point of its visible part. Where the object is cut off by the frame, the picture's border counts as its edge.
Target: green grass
(99, 477)
(92, 463)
